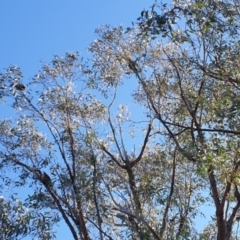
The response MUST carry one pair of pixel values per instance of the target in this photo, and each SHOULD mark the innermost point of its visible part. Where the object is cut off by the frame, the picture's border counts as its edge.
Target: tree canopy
(133, 143)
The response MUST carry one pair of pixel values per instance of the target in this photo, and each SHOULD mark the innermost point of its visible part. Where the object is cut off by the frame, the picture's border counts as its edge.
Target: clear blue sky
(34, 31)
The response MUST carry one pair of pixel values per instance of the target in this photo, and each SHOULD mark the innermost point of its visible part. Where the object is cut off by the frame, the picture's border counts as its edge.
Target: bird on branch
(44, 178)
(133, 65)
(20, 86)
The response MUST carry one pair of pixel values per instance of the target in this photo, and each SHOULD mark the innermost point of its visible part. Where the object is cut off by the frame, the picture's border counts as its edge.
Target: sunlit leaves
(14, 219)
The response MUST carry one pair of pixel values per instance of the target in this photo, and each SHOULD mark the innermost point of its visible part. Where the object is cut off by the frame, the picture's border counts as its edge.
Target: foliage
(138, 165)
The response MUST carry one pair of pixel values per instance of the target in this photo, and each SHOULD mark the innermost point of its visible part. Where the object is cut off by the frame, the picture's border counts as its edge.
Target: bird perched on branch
(44, 178)
(20, 86)
(133, 66)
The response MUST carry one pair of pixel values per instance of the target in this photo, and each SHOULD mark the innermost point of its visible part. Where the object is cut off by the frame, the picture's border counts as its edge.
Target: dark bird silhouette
(133, 66)
(46, 180)
(43, 177)
(20, 86)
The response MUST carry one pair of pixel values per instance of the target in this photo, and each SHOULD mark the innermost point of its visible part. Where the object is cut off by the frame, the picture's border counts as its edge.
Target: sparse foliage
(132, 144)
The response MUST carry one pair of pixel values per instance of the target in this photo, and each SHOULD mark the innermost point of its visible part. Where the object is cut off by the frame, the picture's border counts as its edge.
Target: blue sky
(34, 31)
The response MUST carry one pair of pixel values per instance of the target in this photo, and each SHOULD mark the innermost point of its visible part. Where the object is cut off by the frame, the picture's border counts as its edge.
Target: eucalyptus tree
(122, 58)
(194, 93)
(186, 61)
(127, 145)
(67, 144)
(45, 144)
